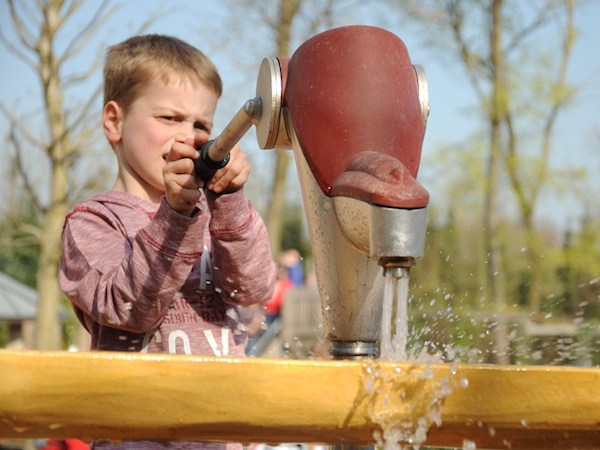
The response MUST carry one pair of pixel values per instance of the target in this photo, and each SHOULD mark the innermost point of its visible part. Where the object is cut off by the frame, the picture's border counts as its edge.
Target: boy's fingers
(180, 166)
(233, 176)
(230, 181)
(180, 150)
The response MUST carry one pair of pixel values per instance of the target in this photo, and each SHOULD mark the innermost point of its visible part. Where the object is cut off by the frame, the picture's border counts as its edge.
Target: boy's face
(160, 115)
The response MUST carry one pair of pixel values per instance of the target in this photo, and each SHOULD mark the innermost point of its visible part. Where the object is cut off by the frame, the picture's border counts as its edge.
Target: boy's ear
(112, 117)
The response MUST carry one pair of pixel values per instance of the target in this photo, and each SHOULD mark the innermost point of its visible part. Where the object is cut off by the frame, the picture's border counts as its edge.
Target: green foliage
(294, 234)
(4, 334)
(70, 324)
(19, 250)
(451, 314)
(19, 259)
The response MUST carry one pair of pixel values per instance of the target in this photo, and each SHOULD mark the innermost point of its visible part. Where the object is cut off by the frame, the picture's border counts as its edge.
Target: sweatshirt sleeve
(127, 282)
(244, 269)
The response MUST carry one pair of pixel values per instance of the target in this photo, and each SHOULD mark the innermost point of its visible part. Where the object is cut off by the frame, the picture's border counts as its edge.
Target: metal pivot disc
(268, 89)
(423, 91)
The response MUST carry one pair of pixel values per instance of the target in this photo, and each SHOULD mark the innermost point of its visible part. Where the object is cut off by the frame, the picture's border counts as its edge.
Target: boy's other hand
(233, 176)
(181, 185)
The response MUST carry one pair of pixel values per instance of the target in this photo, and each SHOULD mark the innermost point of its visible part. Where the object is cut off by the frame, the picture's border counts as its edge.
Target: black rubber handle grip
(204, 166)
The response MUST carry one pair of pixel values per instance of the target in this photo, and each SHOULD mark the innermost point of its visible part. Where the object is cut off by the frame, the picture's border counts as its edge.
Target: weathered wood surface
(132, 396)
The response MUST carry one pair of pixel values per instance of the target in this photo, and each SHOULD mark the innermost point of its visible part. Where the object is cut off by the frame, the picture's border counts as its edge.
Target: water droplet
(468, 445)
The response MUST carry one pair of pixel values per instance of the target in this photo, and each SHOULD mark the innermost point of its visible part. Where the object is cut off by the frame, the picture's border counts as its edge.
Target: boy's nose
(184, 134)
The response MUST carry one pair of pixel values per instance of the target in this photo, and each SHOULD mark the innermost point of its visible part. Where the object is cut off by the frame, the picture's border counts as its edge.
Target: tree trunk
(495, 274)
(48, 329)
(48, 332)
(276, 205)
(534, 253)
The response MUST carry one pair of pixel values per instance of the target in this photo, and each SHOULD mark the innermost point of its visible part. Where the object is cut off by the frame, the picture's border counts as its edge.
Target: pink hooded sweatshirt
(143, 278)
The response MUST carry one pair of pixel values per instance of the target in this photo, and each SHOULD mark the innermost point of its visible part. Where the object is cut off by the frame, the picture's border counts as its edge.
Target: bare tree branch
(23, 32)
(28, 185)
(559, 91)
(472, 62)
(17, 122)
(24, 36)
(323, 18)
(265, 12)
(540, 19)
(84, 112)
(81, 39)
(76, 78)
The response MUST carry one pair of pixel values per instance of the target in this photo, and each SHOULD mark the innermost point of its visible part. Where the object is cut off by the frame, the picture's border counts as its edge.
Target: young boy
(163, 261)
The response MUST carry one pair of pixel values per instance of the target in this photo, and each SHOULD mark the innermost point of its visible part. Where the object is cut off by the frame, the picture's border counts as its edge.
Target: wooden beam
(120, 396)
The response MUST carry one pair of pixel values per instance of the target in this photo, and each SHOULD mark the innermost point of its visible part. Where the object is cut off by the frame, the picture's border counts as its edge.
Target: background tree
(490, 40)
(553, 97)
(282, 31)
(61, 136)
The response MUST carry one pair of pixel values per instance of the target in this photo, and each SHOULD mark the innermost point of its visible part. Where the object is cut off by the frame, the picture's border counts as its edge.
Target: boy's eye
(169, 118)
(200, 126)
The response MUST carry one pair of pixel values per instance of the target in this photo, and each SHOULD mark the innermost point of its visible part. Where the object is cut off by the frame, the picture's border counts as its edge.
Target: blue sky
(451, 120)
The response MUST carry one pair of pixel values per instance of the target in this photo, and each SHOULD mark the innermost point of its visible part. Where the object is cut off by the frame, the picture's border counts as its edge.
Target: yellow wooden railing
(133, 396)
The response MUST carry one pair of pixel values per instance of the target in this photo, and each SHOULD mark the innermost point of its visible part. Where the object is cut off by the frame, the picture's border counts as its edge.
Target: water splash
(407, 404)
(405, 401)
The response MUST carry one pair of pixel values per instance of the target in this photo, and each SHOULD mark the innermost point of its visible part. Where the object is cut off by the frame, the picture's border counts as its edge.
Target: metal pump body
(353, 108)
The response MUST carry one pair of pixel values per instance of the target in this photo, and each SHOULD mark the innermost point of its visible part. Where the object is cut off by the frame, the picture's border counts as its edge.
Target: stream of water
(394, 323)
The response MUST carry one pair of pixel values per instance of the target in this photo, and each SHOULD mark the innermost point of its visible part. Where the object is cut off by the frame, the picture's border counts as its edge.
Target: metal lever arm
(214, 154)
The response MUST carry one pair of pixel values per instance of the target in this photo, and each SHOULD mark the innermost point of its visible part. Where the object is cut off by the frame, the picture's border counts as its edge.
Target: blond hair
(133, 63)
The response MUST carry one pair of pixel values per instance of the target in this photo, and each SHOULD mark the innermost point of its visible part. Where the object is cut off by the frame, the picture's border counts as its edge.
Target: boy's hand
(181, 185)
(233, 176)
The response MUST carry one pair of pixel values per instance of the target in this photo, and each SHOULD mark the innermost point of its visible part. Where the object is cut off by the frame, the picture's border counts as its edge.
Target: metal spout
(396, 266)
